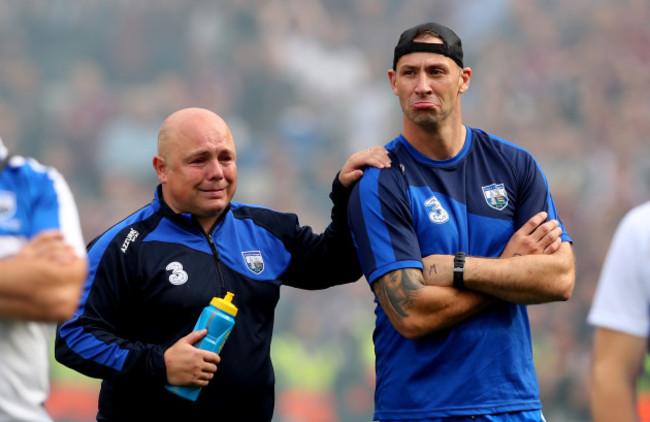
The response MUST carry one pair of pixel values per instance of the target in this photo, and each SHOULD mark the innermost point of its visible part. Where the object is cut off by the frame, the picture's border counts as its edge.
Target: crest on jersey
(254, 261)
(7, 205)
(437, 214)
(496, 196)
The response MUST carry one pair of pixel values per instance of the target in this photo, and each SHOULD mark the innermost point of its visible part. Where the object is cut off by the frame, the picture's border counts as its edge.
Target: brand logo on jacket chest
(178, 275)
(133, 234)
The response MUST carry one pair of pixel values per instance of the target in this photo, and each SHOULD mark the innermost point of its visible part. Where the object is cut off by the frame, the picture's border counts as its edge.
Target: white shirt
(622, 299)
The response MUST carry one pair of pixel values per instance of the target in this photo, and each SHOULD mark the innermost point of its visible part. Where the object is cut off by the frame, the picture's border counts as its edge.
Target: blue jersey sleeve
(382, 225)
(534, 194)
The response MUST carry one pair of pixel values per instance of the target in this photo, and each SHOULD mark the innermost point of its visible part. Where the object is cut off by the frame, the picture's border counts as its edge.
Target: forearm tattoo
(395, 291)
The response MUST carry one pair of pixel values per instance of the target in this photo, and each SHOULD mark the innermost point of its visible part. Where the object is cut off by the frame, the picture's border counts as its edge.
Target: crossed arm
(43, 281)
(534, 267)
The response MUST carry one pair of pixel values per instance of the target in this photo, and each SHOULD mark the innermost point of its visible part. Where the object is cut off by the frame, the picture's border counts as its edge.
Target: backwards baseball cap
(451, 46)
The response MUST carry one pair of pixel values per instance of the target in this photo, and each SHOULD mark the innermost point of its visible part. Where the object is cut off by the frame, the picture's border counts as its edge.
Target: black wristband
(459, 270)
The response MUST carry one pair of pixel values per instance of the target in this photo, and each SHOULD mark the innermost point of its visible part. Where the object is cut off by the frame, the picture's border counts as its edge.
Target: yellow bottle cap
(225, 304)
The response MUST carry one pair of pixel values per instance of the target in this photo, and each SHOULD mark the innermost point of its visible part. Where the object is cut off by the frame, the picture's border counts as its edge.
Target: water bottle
(219, 318)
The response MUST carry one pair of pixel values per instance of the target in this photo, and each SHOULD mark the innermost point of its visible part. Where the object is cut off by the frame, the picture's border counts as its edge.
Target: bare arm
(417, 306)
(524, 279)
(416, 310)
(616, 365)
(545, 272)
(43, 281)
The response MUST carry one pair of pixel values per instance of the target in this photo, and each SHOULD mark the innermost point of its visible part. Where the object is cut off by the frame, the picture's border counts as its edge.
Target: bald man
(152, 273)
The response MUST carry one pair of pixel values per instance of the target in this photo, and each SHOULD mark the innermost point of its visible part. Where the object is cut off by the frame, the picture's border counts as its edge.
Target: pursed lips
(423, 105)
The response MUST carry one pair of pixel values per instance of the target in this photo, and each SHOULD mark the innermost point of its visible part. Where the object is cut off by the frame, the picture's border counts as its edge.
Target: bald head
(189, 123)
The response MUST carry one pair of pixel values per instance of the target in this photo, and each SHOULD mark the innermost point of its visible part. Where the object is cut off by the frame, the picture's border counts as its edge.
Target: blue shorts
(531, 416)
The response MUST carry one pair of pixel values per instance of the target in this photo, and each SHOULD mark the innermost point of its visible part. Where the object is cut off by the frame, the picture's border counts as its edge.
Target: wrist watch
(459, 270)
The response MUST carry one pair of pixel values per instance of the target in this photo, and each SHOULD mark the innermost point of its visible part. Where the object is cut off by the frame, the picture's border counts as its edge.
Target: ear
(392, 77)
(465, 76)
(161, 168)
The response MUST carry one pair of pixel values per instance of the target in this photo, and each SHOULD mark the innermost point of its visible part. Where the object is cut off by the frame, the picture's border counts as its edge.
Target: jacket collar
(183, 219)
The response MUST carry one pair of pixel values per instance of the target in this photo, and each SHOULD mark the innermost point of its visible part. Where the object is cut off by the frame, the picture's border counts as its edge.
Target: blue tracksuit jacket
(152, 274)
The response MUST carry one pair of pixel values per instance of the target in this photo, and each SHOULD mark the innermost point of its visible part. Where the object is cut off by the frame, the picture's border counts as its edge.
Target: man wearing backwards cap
(452, 338)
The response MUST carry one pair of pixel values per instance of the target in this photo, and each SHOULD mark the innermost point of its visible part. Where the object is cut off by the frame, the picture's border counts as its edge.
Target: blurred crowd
(84, 86)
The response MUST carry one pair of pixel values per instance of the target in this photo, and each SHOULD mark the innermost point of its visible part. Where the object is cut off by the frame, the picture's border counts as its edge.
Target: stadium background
(85, 85)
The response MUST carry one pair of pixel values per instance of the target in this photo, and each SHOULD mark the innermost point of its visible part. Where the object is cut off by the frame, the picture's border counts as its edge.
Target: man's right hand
(535, 237)
(189, 365)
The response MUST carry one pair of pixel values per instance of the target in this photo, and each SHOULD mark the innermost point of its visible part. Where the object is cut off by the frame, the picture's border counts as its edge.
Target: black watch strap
(459, 270)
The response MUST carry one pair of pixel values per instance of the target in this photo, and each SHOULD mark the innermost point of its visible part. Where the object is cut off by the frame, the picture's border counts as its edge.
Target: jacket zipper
(217, 261)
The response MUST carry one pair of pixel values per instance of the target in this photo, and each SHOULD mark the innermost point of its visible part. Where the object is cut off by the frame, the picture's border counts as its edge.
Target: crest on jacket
(254, 261)
(7, 205)
(496, 196)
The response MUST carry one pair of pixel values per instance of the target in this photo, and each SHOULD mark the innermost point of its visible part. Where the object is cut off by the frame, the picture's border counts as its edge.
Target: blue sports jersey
(473, 202)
